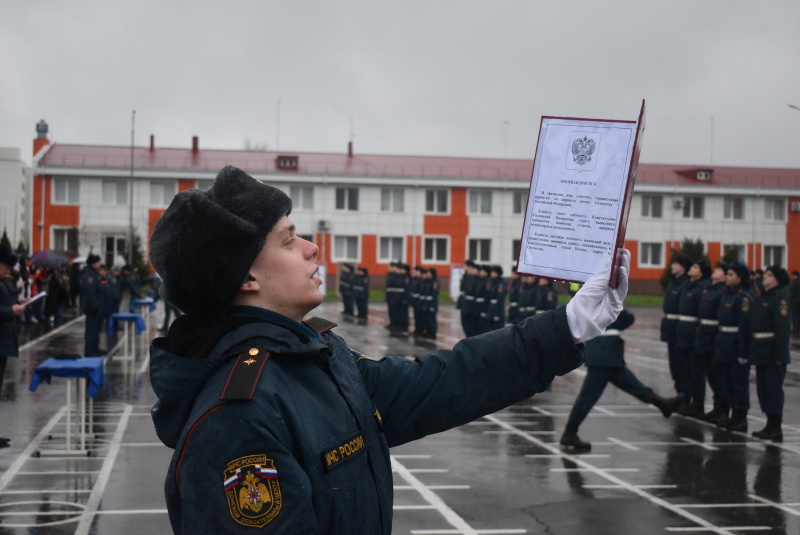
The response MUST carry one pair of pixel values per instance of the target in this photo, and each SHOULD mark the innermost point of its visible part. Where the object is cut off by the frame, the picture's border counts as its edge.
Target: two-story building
(433, 211)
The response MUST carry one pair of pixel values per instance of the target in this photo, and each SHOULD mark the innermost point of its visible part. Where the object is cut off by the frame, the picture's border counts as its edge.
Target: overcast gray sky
(416, 77)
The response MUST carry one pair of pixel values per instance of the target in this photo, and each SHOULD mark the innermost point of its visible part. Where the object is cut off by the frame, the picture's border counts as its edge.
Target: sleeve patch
(252, 490)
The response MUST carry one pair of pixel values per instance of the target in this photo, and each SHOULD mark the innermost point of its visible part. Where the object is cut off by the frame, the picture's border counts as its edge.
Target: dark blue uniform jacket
(310, 452)
(770, 326)
(608, 349)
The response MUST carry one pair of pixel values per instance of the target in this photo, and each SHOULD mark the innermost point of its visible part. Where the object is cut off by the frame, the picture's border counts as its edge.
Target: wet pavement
(501, 474)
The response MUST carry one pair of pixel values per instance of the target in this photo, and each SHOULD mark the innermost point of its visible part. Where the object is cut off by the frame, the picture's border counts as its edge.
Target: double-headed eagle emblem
(582, 150)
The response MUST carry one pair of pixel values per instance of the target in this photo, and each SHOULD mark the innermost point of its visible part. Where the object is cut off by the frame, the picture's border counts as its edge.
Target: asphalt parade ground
(502, 474)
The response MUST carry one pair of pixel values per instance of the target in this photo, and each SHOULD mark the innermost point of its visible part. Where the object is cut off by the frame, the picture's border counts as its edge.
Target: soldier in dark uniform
(108, 295)
(546, 295)
(461, 301)
(430, 302)
(770, 325)
(346, 287)
(469, 314)
(497, 300)
(391, 296)
(276, 423)
(685, 333)
(794, 301)
(514, 283)
(403, 294)
(361, 291)
(605, 363)
(414, 289)
(705, 341)
(92, 300)
(732, 346)
(483, 289)
(527, 297)
(669, 323)
(10, 309)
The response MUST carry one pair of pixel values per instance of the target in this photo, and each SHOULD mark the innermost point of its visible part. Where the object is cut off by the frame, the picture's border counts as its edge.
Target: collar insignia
(252, 490)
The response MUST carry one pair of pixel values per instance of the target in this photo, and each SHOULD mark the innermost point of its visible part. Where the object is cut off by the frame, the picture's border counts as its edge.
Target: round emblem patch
(252, 490)
(745, 304)
(784, 308)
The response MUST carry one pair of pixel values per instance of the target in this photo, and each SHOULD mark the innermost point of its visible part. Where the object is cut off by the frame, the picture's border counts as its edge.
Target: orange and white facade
(433, 211)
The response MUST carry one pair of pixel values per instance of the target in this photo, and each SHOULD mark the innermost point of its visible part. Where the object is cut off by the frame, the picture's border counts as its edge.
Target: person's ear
(250, 284)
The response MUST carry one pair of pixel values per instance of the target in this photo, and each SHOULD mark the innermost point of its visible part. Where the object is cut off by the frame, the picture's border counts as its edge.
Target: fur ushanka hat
(206, 241)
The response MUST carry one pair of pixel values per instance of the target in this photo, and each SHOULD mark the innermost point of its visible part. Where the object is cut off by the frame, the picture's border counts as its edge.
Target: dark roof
(205, 160)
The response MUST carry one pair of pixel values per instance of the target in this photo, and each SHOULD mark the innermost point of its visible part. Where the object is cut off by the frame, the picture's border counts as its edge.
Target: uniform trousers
(695, 373)
(94, 322)
(711, 372)
(678, 367)
(595, 382)
(734, 380)
(769, 387)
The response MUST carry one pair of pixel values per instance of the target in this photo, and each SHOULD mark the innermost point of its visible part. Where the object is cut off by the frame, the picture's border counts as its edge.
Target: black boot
(667, 405)
(718, 414)
(772, 431)
(696, 408)
(685, 404)
(570, 439)
(737, 421)
(5, 442)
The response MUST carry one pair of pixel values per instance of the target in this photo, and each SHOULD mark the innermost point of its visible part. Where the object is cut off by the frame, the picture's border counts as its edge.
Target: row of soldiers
(482, 299)
(414, 289)
(717, 324)
(354, 289)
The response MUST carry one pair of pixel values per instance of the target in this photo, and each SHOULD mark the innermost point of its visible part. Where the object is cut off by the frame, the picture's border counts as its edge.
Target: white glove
(596, 305)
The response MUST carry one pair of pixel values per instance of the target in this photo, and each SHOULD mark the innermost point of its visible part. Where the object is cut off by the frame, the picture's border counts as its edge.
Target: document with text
(579, 199)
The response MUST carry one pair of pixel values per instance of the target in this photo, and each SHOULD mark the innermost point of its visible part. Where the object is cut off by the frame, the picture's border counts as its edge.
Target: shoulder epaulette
(243, 377)
(319, 325)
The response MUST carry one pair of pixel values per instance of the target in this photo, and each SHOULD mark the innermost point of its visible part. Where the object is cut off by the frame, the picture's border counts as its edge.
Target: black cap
(780, 274)
(7, 256)
(742, 270)
(683, 260)
(206, 241)
(705, 269)
(92, 259)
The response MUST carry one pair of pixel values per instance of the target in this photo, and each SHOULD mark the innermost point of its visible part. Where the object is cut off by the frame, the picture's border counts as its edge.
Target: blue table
(134, 318)
(83, 369)
(141, 302)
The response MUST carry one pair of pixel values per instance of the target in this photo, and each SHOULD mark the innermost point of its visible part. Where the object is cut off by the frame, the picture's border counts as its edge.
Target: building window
(115, 250)
(774, 209)
(347, 199)
(773, 255)
(286, 162)
(518, 202)
(390, 249)
(161, 193)
(515, 244)
(693, 207)
(651, 206)
(650, 255)
(480, 202)
(392, 200)
(66, 191)
(65, 239)
(733, 208)
(480, 249)
(302, 197)
(436, 250)
(345, 248)
(115, 192)
(436, 201)
(740, 251)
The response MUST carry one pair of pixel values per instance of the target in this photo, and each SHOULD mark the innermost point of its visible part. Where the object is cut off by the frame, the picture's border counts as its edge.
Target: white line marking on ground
(25, 455)
(634, 489)
(622, 443)
(776, 505)
(99, 488)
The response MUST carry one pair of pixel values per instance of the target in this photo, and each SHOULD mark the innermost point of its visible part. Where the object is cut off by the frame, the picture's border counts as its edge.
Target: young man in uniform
(9, 309)
(276, 423)
(669, 323)
(92, 301)
(705, 339)
(733, 345)
(770, 325)
(685, 332)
